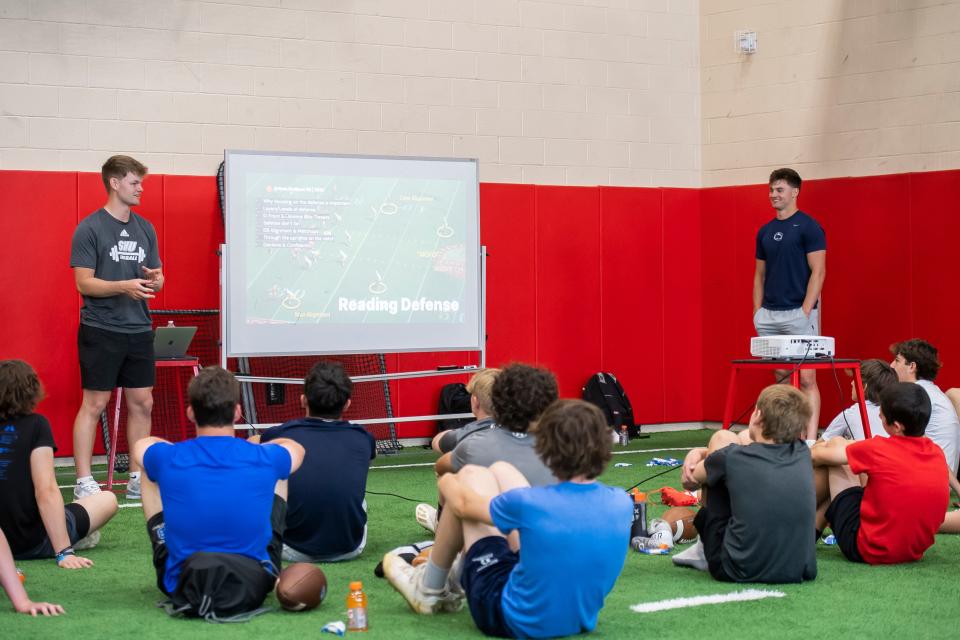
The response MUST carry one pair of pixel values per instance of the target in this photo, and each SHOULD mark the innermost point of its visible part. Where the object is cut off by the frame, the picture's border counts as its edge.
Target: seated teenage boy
(326, 512)
(757, 522)
(877, 375)
(894, 517)
(481, 405)
(32, 515)
(539, 560)
(518, 395)
(216, 493)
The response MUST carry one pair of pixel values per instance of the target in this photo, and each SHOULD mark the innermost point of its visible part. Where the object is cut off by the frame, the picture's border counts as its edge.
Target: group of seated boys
(520, 507)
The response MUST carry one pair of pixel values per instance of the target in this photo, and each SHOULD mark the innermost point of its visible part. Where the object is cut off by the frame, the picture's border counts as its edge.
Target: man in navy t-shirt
(216, 493)
(539, 561)
(791, 266)
(326, 514)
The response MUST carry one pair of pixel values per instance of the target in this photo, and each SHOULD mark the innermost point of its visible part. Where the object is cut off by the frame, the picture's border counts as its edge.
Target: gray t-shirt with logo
(498, 444)
(115, 251)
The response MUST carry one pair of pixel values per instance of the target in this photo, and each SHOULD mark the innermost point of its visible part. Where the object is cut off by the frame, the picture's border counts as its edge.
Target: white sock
(81, 479)
(134, 475)
(435, 577)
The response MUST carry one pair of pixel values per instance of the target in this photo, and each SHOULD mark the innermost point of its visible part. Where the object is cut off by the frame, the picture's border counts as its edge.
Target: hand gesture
(137, 289)
(154, 277)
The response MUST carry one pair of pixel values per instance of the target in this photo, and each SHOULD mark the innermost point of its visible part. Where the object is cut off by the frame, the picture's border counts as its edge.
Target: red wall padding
(652, 284)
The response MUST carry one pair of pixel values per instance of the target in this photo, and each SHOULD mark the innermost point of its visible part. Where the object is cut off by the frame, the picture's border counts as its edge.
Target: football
(302, 586)
(681, 521)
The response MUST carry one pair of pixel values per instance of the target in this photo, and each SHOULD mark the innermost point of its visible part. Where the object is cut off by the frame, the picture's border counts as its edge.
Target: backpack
(454, 398)
(220, 587)
(605, 391)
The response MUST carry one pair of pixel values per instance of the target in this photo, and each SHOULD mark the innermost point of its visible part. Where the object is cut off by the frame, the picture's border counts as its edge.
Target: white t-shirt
(944, 427)
(838, 427)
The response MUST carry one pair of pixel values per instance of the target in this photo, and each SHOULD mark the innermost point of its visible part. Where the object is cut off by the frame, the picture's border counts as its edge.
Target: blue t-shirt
(325, 514)
(573, 543)
(217, 494)
(784, 245)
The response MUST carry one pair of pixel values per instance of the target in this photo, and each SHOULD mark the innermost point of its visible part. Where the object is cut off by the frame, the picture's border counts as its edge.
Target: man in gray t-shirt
(496, 444)
(117, 269)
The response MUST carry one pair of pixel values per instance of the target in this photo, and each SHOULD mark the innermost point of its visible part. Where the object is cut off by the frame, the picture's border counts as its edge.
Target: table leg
(867, 434)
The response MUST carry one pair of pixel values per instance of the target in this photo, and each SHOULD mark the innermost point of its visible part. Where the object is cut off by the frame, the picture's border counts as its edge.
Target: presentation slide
(347, 254)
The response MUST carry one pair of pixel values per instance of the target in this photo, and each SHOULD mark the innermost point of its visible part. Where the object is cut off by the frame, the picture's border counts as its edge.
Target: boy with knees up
(894, 517)
(877, 376)
(757, 522)
(527, 547)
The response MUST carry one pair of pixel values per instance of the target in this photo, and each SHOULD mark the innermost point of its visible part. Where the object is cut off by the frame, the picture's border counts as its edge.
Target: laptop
(171, 343)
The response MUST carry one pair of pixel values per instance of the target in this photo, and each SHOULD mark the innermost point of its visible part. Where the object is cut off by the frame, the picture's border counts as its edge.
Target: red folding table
(795, 367)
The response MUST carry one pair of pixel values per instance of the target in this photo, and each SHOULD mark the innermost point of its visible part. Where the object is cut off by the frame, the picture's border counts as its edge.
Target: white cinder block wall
(548, 92)
(837, 88)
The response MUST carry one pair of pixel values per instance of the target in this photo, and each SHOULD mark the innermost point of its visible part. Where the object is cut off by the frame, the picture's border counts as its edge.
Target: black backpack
(605, 391)
(454, 398)
(220, 587)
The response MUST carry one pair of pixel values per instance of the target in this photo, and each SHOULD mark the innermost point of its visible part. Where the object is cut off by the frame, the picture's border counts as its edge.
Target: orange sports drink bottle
(356, 608)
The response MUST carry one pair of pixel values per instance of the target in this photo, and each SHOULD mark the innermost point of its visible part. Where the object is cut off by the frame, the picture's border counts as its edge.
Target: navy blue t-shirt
(784, 245)
(325, 514)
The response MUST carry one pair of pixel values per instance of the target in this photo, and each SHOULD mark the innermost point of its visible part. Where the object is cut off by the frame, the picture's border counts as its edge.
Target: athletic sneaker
(693, 557)
(661, 532)
(426, 516)
(133, 488)
(86, 487)
(89, 542)
(408, 580)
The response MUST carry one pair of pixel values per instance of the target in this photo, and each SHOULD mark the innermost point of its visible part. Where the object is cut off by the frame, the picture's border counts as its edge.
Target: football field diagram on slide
(354, 249)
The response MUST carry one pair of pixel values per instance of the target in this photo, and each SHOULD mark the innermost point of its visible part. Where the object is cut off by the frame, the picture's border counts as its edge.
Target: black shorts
(843, 514)
(711, 522)
(110, 359)
(78, 526)
(486, 569)
(156, 529)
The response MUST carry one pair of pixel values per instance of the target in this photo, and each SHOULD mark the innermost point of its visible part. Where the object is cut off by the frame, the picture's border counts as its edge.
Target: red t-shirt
(905, 499)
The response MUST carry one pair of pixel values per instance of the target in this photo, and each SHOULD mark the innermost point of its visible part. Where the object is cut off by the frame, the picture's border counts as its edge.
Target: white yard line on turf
(129, 505)
(696, 601)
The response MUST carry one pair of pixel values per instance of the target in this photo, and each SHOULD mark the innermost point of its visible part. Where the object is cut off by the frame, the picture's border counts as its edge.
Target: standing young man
(791, 266)
(116, 266)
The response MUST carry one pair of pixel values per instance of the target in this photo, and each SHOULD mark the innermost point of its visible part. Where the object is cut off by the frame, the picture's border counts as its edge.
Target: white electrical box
(745, 41)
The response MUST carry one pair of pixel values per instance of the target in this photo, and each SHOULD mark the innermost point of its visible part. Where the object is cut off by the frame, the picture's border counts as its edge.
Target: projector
(792, 347)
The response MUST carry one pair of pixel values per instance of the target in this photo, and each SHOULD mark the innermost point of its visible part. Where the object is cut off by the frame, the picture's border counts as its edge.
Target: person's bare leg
(841, 479)
(722, 438)
(808, 385)
(150, 497)
(85, 428)
(100, 508)
(139, 411)
(744, 437)
(451, 530)
(951, 523)
(821, 486)
(507, 478)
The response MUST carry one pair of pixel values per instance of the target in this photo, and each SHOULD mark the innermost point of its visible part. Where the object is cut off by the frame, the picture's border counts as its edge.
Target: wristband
(62, 555)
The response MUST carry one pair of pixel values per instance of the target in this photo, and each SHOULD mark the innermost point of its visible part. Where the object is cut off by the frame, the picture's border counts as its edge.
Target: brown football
(681, 521)
(302, 586)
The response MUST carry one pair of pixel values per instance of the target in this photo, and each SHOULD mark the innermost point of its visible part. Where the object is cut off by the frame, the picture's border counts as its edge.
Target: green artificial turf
(116, 598)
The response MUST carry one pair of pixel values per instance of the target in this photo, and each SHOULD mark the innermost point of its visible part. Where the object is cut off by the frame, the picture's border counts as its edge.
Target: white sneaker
(133, 488)
(426, 516)
(453, 578)
(408, 580)
(89, 542)
(661, 532)
(86, 487)
(693, 557)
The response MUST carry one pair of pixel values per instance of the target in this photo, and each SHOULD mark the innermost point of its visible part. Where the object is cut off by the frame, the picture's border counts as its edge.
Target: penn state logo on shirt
(127, 250)
(778, 236)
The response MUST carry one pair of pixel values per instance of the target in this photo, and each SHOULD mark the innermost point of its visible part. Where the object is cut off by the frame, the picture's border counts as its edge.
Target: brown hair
(921, 353)
(118, 167)
(481, 385)
(573, 439)
(20, 389)
(877, 376)
(520, 394)
(789, 176)
(214, 394)
(784, 413)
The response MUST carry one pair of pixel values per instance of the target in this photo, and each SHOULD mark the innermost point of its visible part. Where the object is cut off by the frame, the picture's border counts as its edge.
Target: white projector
(792, 347)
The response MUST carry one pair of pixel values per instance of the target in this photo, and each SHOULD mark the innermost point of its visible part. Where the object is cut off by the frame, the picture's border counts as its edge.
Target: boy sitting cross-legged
(894, 517)
(757, 523)
(539, 561)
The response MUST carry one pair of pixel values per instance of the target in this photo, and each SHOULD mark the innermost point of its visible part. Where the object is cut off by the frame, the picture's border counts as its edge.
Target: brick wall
(552, 92)
(837, 88)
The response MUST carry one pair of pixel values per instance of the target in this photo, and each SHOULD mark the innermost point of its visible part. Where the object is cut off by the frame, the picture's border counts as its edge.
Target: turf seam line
(697, 601)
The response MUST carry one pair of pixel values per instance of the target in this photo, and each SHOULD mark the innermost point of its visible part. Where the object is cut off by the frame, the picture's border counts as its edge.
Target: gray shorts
(789, 322)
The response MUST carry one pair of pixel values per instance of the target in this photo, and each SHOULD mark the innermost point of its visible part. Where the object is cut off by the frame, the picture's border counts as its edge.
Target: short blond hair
(784, 412)
(480, 385)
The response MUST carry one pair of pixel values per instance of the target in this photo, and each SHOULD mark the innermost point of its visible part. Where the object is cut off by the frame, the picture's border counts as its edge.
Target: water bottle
(624, 436)
(356, 608)
(638, 528)
(170, 323)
